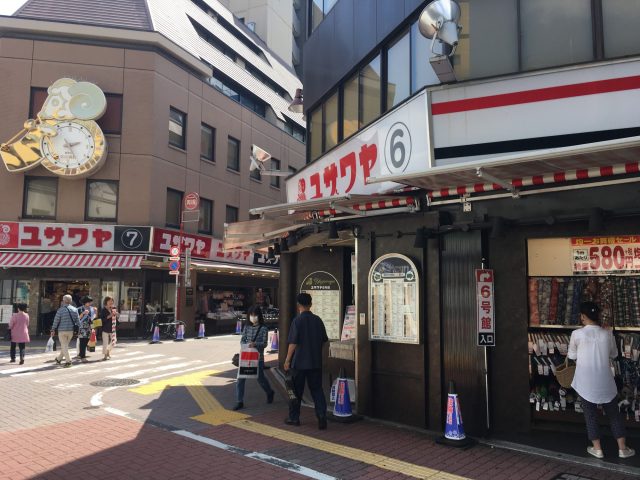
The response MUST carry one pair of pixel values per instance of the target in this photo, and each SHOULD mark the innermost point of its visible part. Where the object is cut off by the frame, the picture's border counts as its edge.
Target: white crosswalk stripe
(154, 370)
(40, 366)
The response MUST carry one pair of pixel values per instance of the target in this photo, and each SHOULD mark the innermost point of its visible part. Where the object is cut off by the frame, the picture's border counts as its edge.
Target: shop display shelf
(627, 329)
(571, 416)
(563, 327)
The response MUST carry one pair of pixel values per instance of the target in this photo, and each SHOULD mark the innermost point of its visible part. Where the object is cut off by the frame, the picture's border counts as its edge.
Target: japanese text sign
(395, 144)
(485, 308)
(163, 240)
(77, 237)
(619, 254)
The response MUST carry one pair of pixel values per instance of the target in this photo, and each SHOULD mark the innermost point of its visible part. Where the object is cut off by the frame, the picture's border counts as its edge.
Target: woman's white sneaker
(595, 452)
(626, 453)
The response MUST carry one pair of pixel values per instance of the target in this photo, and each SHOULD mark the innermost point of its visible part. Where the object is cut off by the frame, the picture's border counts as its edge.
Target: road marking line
(375, 459)
(46, 367)
(292, 467)
(137, 373)
(104, 368)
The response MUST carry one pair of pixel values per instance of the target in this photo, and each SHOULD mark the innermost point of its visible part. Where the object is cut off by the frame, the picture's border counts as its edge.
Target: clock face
(73, 149)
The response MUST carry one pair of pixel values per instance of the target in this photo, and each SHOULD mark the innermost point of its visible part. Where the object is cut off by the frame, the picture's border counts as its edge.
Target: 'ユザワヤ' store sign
(207, 248)
(397, 143)
(73, 237)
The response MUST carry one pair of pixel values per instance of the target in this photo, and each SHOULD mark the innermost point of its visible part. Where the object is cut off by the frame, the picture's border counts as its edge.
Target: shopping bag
(249, 358)
(91, 346)
(49, 347)
(78, 346)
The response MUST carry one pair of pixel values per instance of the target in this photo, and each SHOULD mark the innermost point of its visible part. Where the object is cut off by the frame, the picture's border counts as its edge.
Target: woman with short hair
(592, 347)
(86, 313)
(19, 326)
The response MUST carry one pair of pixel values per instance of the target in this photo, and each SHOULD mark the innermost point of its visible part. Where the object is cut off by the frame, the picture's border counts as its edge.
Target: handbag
(565, 374)
(76, 326)
(235, 360)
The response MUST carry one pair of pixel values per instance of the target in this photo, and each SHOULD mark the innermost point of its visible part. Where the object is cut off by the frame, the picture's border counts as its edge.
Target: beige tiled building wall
(140, 158)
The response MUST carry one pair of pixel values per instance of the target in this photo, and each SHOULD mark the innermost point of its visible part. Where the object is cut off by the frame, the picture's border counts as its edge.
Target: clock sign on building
(64, 137)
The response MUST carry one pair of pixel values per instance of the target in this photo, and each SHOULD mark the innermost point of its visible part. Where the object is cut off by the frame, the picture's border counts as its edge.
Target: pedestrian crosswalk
(134, 364)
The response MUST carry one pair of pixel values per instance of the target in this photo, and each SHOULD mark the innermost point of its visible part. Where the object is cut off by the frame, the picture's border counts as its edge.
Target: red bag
(91, 346)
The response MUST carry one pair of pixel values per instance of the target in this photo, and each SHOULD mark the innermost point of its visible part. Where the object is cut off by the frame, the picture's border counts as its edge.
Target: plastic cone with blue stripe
(238, 327)
(342, 407)
(201, 332)
(156, 335)
(274, 341)
(454, 429)
(180, 333)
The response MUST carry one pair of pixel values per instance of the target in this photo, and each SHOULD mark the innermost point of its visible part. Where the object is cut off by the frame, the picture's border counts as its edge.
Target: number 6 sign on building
(485, 308)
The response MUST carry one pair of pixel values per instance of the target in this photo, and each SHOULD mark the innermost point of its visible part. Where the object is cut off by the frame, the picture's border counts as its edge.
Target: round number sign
(191, 201)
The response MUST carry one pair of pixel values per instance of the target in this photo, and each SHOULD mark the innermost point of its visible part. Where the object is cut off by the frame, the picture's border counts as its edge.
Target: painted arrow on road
(213, 413)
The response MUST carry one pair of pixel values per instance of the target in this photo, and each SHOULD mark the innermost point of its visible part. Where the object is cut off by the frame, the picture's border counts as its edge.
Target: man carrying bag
(65, 324)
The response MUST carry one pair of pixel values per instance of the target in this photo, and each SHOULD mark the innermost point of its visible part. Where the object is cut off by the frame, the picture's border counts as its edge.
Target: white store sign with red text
(397, 143)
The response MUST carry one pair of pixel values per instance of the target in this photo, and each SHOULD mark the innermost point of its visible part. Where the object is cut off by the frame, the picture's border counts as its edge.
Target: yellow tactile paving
(213, 412)
(377, 460)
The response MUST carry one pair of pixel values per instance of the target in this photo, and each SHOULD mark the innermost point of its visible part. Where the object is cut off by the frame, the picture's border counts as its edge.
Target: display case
(554, 304)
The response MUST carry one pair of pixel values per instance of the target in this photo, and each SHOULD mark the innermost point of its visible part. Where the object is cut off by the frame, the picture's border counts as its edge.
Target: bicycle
(168, 330)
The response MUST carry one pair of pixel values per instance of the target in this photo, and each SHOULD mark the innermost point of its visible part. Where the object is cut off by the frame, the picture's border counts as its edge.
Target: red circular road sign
(191, 201)
(174, 251)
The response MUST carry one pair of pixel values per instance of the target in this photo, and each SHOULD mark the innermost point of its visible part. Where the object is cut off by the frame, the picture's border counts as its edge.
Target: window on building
(315, 133)
(330, 122)
(233, 154)
(177, 128)
(110, 122)
(572, 39)
(621, 34)
(319, 9)
(174, 208)
(350, 107)
(370, 90)
(238, 93)
(40, 197)
(295, 130)
(255, 175)
(399, 70)
(102, 200)
(207, 142)
(205, 224)
(275, 180)
(231, 214)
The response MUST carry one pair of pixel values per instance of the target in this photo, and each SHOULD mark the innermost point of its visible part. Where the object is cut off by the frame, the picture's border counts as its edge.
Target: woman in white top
(592, 347)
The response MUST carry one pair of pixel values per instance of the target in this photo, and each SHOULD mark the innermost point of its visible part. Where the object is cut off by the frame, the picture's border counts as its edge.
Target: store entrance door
(52, 292)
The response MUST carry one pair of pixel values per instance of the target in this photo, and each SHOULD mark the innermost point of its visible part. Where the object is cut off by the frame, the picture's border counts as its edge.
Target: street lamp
(297, 106)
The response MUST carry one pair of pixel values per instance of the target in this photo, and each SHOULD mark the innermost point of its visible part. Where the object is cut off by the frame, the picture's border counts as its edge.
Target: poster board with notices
(326, 299)
(127, 316)
(5, 313)
(393, 300)
(349, 324)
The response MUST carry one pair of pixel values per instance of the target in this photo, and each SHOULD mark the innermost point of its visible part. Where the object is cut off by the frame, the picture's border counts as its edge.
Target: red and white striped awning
(538, 180)
(68, 260)
(372, 205)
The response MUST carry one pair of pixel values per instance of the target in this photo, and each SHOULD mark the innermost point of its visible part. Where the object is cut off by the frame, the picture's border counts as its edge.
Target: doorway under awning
(281, 220)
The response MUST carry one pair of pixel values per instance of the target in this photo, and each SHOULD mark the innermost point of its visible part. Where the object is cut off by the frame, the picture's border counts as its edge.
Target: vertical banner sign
(486, 308)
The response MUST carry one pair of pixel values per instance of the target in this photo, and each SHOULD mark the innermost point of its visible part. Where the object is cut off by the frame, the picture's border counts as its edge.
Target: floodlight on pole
(258, 158)
(297, 106)
(439, 21)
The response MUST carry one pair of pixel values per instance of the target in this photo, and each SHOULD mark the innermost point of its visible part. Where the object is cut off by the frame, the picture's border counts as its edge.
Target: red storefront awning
(68, 260)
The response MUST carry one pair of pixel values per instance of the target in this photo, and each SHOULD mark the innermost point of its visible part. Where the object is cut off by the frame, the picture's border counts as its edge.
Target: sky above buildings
(7, 7)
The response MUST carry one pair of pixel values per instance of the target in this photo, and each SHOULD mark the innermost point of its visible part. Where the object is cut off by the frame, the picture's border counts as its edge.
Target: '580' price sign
(618, 254)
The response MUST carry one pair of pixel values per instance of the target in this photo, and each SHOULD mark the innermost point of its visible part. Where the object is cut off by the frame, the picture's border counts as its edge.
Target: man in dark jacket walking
(304, 358)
